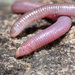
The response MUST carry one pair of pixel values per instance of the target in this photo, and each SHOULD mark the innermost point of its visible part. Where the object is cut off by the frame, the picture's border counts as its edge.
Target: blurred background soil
(56, 58)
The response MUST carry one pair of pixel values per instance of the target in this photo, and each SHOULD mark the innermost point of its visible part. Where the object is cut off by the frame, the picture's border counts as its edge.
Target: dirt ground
(56, 58)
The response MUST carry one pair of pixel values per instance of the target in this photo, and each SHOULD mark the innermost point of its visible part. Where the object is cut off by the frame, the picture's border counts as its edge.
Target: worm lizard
(62, 13)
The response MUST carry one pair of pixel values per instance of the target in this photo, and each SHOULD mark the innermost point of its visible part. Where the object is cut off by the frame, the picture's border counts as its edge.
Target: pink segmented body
(41, 12)
(25, 6)
(48, 35)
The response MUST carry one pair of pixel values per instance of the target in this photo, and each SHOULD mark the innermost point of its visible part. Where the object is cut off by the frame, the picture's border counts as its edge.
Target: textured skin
(48, 35)
(41, 12)
(25, 6)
